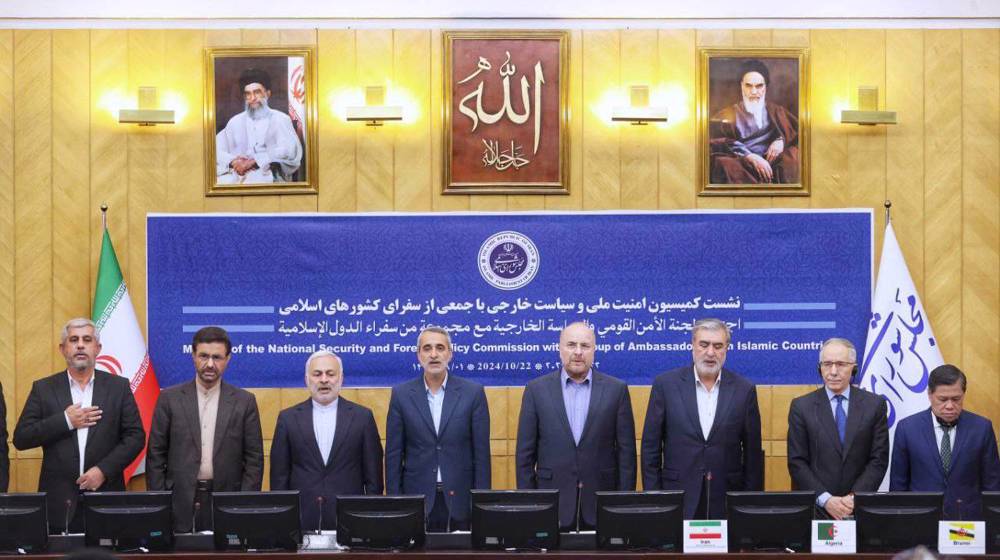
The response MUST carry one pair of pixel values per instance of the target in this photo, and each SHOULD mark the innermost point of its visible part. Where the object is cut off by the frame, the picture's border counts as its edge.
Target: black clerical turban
(254, 76)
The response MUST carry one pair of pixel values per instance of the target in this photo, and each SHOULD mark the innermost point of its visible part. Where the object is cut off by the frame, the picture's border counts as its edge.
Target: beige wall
(62, 155)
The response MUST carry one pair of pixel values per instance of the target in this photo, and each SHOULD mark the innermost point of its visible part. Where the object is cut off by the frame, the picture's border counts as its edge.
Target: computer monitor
(381, 522)
(894, 521)
(129, 521)
(24, 523)
(651, 520)
(991, 514)
(770, 521)
(256, 521)
(515, 519)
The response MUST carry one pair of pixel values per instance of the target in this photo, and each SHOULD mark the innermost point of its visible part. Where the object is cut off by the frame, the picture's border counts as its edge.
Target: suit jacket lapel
(689, 396)
(960, 436)
(189, 403)
(345, 416)
(419, 395)
(597, 392)
(452, 395)
(826, 421)
(930, 441)
(556, 398)
(65, 398)
(98, 398)
(855, 411)
(722, 406)
(304, 418)
(227, 397)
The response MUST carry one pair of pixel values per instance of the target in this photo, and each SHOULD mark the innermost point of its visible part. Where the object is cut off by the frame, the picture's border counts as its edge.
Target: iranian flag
(123, 348)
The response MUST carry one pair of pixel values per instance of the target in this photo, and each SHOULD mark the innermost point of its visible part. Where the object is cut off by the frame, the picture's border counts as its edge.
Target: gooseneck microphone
(69, 505)
(194, 517)
(319, 504)
(448, 497)
(708, 494)
(579, 503)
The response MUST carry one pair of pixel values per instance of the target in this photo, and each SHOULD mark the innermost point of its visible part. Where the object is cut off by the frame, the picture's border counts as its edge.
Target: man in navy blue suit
(576, 432)
(946, 449)
(702, 429)
(438, 436)
(325, 446)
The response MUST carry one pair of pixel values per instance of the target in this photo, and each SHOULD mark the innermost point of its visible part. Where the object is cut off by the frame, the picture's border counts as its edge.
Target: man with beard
(326, 446)
(754, 141)
(205, 436)
(258, 145)
(710, 418)
(87, 424)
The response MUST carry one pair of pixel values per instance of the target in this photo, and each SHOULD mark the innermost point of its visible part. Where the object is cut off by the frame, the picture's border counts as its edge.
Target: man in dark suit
(325, 446)
(4, 458)
(576, 432)
(946, 449)
(438, 436)
(838, 435)
(87, 424)
(205, 436)
(702, 429)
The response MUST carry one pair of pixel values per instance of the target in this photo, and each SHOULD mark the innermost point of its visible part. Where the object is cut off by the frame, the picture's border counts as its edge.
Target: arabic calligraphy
(501, 160)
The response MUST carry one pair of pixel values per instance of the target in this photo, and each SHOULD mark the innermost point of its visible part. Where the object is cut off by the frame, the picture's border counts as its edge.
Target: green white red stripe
(123, 349)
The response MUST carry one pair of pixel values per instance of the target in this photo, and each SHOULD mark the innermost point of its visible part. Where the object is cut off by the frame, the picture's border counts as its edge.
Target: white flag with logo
(901, 349)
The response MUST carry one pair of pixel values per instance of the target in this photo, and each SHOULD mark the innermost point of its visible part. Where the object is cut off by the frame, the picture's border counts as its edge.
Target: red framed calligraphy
(505, 117)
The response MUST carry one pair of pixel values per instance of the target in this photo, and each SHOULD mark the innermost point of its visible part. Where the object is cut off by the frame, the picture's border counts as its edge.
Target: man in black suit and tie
(87, 424)
(205, 436)
(438, 436)
(576, 432)
(838, 435)
(325, 446)
(702, 429)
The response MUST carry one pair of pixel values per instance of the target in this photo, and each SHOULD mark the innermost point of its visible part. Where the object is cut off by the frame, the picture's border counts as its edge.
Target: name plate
(962, 537)
(834, 537)
(325, 540)
(705, 536)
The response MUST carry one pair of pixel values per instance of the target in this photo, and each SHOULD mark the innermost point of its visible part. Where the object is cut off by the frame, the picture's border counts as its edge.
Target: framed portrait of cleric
(753, 122)
(506, 112)
(260, 121)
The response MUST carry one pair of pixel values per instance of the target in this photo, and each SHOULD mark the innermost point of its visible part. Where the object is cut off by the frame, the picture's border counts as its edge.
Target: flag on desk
(123, 350)
(901, 349)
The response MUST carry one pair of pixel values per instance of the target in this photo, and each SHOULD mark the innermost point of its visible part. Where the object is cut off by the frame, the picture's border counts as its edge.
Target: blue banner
(363, 285)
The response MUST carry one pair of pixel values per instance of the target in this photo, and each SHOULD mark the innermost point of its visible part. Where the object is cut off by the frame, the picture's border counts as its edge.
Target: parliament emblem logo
(508, 260)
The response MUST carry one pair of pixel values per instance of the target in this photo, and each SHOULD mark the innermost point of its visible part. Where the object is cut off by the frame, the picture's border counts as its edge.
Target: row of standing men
(575, 433)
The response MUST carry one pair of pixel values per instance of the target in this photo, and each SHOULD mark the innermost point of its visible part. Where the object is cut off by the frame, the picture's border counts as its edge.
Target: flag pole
(104, 215)
(887, 204)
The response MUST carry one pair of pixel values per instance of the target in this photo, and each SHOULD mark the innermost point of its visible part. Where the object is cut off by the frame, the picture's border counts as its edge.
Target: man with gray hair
(87, 424)
(838, 435)
(437, 436)
(709, 416)
(325, 446)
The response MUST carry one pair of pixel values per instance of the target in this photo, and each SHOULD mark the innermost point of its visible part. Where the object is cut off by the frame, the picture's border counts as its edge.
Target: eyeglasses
(204, 358)
(838, 365)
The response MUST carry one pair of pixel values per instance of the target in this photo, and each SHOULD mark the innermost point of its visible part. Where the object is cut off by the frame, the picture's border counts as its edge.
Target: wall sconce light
(375, 111)
(146, 114)
(639, 112)
(868, 113)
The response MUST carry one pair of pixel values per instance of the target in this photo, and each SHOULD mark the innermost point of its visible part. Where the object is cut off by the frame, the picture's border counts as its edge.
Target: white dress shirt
(708, 402)
(325, 426)
(83, 397)
(436, 402)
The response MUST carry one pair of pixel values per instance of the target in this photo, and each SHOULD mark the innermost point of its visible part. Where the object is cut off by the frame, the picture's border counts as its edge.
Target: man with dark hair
(838, 436)
(753, 140)
(946, 449)
(437, 436)
(87, 424)
(702, 430)
(205, 436)
(258, 145)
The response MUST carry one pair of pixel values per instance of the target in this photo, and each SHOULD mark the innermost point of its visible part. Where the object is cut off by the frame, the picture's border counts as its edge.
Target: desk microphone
(579, 503)
(448, 497)
(958, 506)
(708, 494)
(319, 526)
(194, 517)
(68, 504)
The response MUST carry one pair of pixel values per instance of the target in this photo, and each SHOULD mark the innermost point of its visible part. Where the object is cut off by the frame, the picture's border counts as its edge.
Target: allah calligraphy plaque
(506, 109)
(753, 122)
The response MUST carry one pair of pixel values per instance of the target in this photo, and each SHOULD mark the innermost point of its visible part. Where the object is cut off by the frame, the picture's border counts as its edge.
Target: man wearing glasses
(838, 436)
(205, 436)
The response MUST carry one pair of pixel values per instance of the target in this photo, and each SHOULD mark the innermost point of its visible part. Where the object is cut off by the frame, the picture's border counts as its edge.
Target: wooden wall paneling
(866, 145)
(299, 202)
(638, 150)
(220, 38)
(183, 80)
(639, 394)
(147, 161)
(412, 159)
(8, 380)
(35, 353)
(830, 93)
(269, 405)
(751, 38)
(980, 213)
(261, 38)
(904, 93)
(496, 397)
(71, 205)
(439, 202)
(706, 38)
(678, 138)
(375, 143)
(573, 200)
(942, 295)
(376, 399)
(790, 38)
(601, 158)
(337, 69)
(487, 203)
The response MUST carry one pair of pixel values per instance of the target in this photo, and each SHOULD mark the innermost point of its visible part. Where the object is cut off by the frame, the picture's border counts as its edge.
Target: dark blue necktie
(841, 418)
